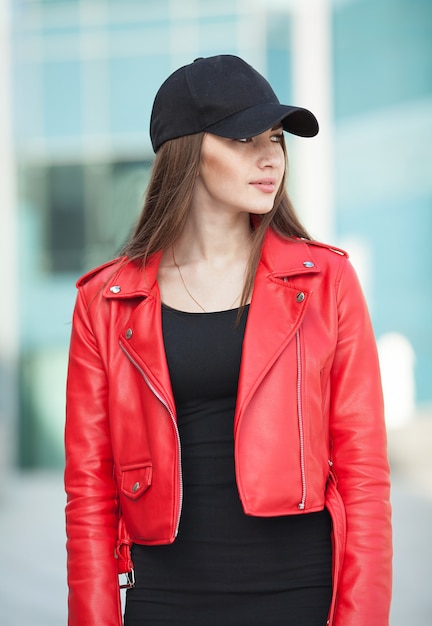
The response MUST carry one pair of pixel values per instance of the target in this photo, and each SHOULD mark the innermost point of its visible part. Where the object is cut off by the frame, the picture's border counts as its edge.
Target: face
(240, 175)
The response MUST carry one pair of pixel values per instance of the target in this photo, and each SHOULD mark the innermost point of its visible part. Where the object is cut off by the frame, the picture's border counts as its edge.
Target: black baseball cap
(225, 96)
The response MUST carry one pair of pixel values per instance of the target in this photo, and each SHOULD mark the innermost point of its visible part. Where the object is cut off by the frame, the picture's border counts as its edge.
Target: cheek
(215, 168)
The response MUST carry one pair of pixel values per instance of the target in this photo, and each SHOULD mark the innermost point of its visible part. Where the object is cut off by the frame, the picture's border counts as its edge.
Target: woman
(225, 441)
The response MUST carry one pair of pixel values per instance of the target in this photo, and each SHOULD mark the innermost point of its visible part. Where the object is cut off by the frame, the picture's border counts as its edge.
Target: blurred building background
(77, 80)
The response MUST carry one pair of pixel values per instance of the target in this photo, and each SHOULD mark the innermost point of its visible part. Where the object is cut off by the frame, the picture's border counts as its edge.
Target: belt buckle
(130, 580)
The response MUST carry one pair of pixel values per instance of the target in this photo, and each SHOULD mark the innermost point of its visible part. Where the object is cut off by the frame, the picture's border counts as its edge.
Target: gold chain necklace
(186, 288)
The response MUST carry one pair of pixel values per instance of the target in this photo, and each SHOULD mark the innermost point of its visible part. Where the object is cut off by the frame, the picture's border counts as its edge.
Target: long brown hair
(169, 197)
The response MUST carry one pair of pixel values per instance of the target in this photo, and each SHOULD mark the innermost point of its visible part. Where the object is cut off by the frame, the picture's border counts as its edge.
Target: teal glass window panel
(279, 56)
(382, 54)
(139, 23)
(133, 86)
(152, 31)
(61, 86)
(216, 7)
(55, 17)
(217, 34)
(400, 261)
(95, 97)
(66, 25)
(25, 85)
(65, 232)
(149, 7)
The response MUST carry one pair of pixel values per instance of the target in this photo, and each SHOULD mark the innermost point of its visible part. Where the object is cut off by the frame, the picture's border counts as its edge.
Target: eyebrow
(277, 127)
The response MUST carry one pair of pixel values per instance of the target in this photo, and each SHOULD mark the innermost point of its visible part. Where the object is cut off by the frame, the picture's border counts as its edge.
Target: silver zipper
(301, 505)
(162, 400)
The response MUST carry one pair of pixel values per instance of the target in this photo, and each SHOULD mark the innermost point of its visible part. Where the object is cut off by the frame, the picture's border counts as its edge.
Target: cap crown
(201, 94)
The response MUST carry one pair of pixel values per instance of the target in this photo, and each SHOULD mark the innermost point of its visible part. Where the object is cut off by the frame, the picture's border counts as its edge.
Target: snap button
(128, 333)
(308, 264)
(300, 296)
(115, 289)
(135, 487)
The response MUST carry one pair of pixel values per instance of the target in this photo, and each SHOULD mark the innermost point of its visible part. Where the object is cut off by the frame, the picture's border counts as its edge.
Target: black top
(225, 567)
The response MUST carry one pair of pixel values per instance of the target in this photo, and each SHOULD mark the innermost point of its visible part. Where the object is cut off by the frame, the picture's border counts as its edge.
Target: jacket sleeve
(359, 451)
(92, 505)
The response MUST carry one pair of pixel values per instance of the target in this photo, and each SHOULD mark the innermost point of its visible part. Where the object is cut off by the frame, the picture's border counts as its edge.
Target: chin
(261, 210)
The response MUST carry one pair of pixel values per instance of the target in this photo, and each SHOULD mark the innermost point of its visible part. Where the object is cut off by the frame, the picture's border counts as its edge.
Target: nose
(270, 154)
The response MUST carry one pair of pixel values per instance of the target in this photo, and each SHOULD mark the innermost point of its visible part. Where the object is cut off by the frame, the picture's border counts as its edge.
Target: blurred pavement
(32, 565)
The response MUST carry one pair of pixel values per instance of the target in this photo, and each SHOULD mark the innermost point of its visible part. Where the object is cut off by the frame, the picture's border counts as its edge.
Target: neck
(207, 253)
(215, 241)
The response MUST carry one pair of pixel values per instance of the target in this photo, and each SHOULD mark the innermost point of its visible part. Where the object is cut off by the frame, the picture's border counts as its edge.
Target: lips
(266, 185)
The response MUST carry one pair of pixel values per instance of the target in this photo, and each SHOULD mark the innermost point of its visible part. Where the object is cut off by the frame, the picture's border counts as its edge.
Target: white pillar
(312, 162)
(8, 254)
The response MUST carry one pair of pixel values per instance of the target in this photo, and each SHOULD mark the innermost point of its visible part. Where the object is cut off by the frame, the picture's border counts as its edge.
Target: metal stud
(129, 333)
(135, 487)
(308, 264)
(300, 296)
(115, 289)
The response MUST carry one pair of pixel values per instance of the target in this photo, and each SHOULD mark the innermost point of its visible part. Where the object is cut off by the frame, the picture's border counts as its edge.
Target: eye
(277, 138)
(244, 139)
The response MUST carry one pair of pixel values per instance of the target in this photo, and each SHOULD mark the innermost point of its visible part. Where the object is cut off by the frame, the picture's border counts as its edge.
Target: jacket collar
(287, 257)
(280, 258)
(132, 280)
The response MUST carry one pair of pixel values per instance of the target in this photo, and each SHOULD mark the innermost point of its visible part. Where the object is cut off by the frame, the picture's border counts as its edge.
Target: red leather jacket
(309, 428)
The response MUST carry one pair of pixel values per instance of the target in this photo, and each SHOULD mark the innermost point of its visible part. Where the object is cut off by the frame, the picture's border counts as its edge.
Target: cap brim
(259, 118)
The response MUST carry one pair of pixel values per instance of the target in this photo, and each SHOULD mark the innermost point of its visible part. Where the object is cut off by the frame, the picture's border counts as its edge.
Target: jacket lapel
(141, 337)
(277, 309)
